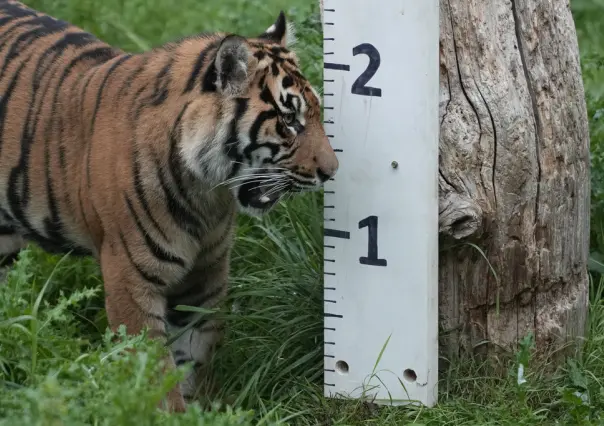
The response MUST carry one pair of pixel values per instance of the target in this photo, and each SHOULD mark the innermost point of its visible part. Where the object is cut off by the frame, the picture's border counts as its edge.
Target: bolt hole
(409, 375)
(342, 367)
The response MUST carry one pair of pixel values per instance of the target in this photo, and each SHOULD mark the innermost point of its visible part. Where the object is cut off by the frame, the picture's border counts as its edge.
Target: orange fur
(143, 160)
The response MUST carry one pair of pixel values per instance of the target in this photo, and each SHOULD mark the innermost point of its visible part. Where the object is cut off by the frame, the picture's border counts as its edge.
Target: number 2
(372, 242)
(359, 86)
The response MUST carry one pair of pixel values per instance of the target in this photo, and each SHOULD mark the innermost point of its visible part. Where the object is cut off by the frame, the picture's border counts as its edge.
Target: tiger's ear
(281, 32)
(232, 66)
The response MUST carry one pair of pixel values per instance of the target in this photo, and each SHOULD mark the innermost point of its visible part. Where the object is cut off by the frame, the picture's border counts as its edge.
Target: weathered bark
(514, 174)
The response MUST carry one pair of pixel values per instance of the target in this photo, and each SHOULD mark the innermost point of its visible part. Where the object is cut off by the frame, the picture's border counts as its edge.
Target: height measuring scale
(381, 95)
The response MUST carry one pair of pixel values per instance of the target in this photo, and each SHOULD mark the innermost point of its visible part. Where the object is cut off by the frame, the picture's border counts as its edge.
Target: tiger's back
(143, 160)
(56, 104)
(40, 56)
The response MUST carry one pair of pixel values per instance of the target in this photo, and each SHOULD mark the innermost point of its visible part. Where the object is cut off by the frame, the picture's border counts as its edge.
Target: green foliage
(55, 370)
(589, 19)
(59, 366)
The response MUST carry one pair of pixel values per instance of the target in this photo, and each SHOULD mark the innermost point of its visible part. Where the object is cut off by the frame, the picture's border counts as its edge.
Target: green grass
(59, 366)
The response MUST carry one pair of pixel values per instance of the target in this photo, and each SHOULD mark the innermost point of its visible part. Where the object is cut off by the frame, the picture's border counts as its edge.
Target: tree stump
(514, 175)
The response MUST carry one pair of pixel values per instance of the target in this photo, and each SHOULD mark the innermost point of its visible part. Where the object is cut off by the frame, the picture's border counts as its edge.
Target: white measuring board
(381, 97)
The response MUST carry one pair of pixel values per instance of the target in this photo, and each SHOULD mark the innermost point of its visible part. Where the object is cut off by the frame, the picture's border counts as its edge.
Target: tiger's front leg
(205, 287)
(134, 300)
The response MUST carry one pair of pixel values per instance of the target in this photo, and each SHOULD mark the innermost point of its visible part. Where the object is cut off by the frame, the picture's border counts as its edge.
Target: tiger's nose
(327, 166)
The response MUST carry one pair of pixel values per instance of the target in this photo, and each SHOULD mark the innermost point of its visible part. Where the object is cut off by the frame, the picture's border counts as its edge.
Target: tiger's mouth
(262, 195)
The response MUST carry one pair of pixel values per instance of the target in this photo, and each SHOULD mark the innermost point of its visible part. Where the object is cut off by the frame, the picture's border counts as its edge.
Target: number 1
(372, 242)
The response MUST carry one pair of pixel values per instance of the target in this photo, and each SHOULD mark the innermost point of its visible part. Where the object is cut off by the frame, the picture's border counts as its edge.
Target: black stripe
(8, 32)
(154, 279)
(182, 318)
(195, 73)
(282, 130)
(82, 212)
(267, 97)
(99, 94)
(216, 262)
(175, 165)
(5, 20)
(155, 317)
(155, 248)
(47, 26)
(301, 174)
(16, 10)
(141, 105)
(200, 266)
(287, 82)
(299, 128)
(133, 75)
(262, 82)
(205, 250)
(62, 160)
(82, 99)
(231, 146)
(274, 69)
(181, 215)
(63, 169)
(197, 68)
(75, 40)
(148, 314)
(6, 97)
(72, 39)
(53, 225)
(286, 155)
(279, 50)
(188, 296)
(7, 230)
(161, 85)
(18, 199)
(140, 194)
(98, 54)
(289, 101)
(255, 131)
(210, 77)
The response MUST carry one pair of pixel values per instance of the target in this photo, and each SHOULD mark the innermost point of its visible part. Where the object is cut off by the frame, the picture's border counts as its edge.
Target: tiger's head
(270, 132)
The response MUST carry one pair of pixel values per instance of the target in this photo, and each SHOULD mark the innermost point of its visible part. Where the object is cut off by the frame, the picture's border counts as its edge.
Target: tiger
(144, 160)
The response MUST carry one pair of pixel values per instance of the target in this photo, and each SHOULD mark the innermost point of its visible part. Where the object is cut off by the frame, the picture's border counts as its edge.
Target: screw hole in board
(342, 367)
(409, 375)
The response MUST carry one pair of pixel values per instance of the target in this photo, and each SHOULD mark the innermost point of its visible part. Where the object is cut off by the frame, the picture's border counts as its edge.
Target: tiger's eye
(289, 118)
